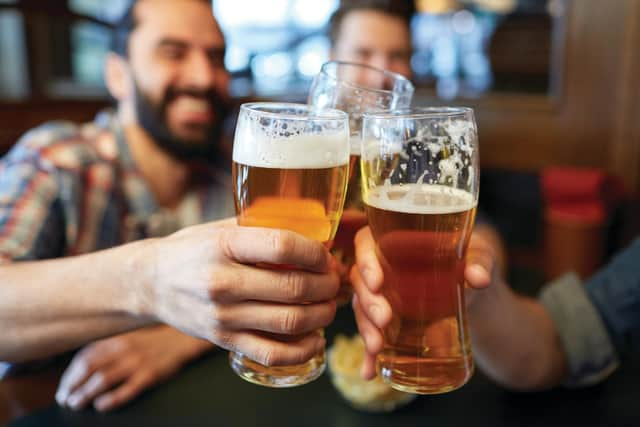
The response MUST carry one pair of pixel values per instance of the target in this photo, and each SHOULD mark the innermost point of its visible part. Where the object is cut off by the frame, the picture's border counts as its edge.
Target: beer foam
(298, 151)
(420, 199)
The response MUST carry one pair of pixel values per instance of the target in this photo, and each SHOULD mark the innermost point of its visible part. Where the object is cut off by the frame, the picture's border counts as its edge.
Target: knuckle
(225, 236)
(296, 286)
(221, 318)
(283, 244)
(290, 321)
(221, 285)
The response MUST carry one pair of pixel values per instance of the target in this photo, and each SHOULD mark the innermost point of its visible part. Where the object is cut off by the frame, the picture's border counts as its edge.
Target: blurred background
(554, 84)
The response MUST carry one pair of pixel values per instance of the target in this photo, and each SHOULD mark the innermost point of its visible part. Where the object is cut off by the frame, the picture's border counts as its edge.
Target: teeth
(193, 105)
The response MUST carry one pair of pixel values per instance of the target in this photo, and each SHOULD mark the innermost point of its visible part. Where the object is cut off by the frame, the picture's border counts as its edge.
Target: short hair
(403, 9)
(123, 28)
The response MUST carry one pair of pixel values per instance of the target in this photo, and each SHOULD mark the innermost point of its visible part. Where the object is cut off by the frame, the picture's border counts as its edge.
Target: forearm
(47, 307)
(515, 341)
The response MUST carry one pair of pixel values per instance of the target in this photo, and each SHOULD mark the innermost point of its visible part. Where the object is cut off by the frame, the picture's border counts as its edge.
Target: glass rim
(419, 113)
(312, 114)
(392, 74)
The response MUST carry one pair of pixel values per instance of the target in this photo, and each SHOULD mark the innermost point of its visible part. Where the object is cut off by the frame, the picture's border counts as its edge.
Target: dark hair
(398, 8)
(122, 29)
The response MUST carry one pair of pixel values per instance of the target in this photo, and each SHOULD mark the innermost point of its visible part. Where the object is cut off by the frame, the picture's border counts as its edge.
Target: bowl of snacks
(345, 359)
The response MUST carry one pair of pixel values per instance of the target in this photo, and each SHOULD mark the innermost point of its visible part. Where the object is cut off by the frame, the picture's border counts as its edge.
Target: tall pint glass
(356, 89)
(290, 168)
(420, 188)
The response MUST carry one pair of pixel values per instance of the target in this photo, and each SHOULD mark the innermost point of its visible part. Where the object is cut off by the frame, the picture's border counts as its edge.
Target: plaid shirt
(68, 190)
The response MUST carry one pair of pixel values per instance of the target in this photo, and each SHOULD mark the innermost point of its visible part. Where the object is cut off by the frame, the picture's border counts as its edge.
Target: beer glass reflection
(355, 89)
(420, 189)
(290, 168)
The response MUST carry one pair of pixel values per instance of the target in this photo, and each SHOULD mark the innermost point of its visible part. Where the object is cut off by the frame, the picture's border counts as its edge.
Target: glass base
(277, 376)
(427, 376)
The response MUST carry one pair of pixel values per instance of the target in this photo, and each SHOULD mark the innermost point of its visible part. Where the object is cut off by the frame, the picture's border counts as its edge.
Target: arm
(201, 280)
(513, 337)
(47, 307)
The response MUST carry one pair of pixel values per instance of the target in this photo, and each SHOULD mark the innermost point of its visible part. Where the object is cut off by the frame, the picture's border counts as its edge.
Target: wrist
(139, 278)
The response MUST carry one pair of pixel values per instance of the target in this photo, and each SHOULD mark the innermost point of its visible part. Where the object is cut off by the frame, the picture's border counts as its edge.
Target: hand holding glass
(290, 167)
(420, 188)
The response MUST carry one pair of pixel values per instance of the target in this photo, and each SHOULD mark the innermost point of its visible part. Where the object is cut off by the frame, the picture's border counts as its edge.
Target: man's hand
(113, 371)
(372, 310)
(227, 284)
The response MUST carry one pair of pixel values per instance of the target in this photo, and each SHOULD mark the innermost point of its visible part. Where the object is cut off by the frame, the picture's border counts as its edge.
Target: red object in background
(566, 185)
(577, 206)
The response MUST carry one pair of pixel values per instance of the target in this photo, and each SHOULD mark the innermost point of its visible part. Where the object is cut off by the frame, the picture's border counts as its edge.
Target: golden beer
(421, 233)
(353, 219)
(307, 201)
(290, 170)
(355, 88)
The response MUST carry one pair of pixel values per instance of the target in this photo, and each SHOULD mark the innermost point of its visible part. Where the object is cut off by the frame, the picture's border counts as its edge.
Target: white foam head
(289, 144)
(420, 199)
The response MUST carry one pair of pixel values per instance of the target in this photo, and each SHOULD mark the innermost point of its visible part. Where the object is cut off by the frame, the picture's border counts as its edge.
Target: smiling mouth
(189, 104)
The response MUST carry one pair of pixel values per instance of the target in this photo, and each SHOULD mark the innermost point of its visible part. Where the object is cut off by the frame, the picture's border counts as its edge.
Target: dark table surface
(208, 393)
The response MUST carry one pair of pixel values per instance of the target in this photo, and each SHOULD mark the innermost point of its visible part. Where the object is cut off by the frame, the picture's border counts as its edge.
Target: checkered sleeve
(31, 220)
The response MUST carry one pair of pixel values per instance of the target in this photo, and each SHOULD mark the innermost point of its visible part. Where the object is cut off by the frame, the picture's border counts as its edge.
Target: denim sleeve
(591, 355)
(615, 291)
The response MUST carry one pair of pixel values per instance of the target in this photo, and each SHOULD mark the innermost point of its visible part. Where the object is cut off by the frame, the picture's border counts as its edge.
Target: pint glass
(356, 89)
(290, 168)
(420, 188)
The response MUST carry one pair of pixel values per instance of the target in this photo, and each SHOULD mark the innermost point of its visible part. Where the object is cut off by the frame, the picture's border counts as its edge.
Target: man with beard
(83, 212)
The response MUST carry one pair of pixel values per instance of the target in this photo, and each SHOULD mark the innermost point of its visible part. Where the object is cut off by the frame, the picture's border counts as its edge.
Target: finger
(245, 283)
(480, 265)
(367, 261)
(372, 336)
(100, 382)
(374, 306)
(276, 318)
(125, 393)
(368, 369)
(252, 245)
(271, 352)
(83, 365)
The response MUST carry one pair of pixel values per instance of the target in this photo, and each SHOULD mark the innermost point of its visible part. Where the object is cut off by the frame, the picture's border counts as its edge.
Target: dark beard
(153, 119)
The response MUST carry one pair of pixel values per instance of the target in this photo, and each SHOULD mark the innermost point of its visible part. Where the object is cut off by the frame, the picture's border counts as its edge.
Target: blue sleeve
(591, 355)
(615, 291)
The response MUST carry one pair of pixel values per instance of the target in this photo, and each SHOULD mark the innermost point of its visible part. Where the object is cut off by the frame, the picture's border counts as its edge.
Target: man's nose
(199, 72)
(380, 61)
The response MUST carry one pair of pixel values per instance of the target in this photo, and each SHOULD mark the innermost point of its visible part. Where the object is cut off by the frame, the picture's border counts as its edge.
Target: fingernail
(480, 271)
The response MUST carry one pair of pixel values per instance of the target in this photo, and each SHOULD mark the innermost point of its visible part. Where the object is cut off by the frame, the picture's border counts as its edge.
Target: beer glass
(290, 169)
(420, 189)
(355, 89)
